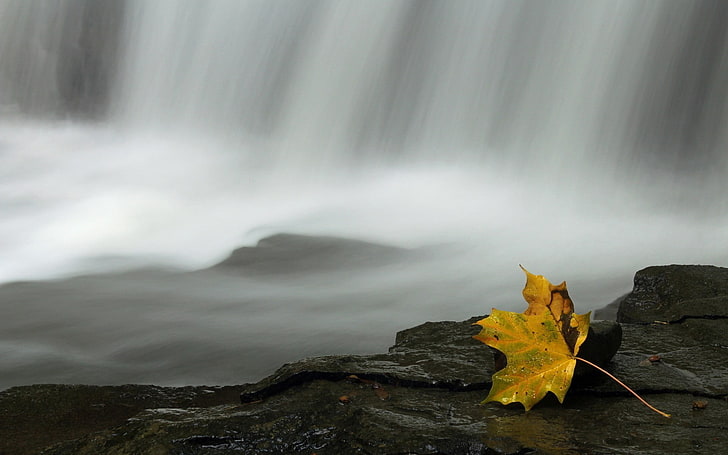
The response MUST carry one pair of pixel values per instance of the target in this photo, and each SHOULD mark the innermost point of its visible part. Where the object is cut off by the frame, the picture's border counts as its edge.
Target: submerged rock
(285, 253)
(422, 397)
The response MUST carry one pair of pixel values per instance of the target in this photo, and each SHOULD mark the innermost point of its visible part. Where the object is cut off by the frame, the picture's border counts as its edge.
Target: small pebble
(700, 404)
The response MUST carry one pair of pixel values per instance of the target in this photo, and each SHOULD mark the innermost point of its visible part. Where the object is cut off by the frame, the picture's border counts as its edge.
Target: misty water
(143, 140)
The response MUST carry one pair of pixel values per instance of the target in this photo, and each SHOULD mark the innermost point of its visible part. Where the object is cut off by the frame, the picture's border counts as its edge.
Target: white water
(506, 129)
(74, 196)
(230, 120)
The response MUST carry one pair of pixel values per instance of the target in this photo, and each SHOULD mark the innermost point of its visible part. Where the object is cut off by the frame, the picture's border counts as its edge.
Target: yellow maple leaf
(541, 345)
(539, 359)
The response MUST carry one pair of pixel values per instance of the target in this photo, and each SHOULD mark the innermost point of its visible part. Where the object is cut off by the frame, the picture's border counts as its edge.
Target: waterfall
(57, 58)
(180, 129)
(343, 82)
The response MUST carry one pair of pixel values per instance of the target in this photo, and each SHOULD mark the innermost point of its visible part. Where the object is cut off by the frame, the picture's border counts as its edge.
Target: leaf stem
(664, 414)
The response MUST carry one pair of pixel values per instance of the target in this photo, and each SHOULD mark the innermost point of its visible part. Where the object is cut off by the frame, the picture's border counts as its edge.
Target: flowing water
(585, 140)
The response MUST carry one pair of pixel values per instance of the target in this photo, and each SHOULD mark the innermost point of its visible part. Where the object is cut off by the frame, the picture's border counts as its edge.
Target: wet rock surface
(674, 293)
(433, 355)
(421, 397)
(32, 417)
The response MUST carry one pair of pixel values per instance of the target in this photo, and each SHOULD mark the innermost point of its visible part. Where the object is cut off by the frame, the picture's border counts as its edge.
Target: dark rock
(690, 364)
(285, 253)
(422, 397)
(33, 417)
(673, 293)
(609, 312)
(309, 419)
(432, 355)
(600, 345)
